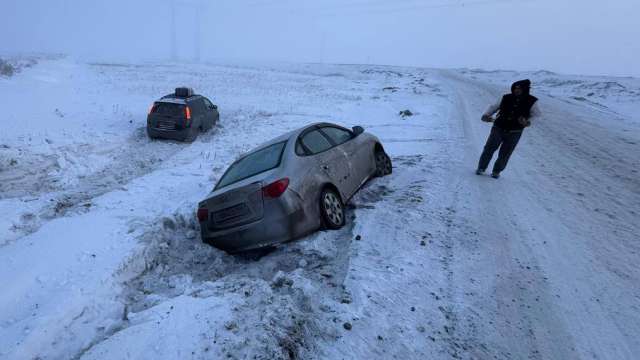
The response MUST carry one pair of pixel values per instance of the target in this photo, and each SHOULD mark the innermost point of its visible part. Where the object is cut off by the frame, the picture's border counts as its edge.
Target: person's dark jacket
(512, 108)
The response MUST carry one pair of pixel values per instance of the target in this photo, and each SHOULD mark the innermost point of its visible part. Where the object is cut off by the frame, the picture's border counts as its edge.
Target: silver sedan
(290, 186)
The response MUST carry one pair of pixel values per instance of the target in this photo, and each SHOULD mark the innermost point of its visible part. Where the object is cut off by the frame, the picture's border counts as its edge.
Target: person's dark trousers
(503, 139)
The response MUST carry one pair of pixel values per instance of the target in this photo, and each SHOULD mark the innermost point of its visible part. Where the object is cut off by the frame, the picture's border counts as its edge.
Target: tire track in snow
(132, 159)
(461, 332)
(509, 311)
(541, 248)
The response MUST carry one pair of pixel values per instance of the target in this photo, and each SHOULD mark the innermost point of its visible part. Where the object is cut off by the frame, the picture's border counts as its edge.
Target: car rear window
(168, 109)
(253, 164)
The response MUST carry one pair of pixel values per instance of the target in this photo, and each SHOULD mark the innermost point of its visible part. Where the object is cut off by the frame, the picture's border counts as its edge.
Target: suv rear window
(253, 164)
(168, 109)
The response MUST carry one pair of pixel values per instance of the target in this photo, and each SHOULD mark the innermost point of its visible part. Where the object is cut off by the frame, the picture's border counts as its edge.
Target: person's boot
(479, 171)
(495, 175)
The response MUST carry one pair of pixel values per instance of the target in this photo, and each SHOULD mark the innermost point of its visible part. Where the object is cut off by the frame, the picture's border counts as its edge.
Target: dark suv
(181, 116)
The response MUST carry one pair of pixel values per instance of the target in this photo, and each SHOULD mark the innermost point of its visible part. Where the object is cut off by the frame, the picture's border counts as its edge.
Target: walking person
(515, 112)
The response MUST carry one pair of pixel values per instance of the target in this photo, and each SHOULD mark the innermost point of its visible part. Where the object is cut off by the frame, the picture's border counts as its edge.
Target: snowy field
(100, 256)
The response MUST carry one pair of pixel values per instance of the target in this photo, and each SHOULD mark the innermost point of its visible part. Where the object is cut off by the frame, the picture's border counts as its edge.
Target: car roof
(289, 135)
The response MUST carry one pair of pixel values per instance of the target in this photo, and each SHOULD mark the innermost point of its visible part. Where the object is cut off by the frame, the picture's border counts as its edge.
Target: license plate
(166, 125)
(231, 213)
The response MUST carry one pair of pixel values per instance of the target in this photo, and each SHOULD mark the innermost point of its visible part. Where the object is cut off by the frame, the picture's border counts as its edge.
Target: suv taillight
(152, 108)
(276, 188)
(187, 113)
(203, 214)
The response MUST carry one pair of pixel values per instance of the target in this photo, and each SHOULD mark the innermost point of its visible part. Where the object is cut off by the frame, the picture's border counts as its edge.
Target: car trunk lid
(236, 207)
(168, 116)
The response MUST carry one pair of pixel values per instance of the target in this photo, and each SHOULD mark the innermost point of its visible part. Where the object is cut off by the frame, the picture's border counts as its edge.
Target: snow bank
(100, 254)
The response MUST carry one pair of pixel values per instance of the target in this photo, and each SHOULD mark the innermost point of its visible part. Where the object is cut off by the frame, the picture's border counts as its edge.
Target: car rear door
(329, 159)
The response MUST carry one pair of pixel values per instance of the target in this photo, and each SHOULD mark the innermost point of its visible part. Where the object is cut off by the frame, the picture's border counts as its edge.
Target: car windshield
(168, 109)
(253, 164)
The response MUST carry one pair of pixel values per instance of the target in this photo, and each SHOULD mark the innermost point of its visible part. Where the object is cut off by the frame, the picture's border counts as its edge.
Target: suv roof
(172, 98)
(180, 96)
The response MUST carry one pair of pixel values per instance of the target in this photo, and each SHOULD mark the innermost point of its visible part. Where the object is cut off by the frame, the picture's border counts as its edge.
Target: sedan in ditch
(290, 186)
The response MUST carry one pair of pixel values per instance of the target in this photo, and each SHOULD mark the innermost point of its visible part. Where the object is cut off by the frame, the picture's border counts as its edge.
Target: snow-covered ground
(100, 256)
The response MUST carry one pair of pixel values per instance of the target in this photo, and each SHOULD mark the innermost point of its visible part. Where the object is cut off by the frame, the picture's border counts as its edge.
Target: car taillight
(187, 112)
(203, 214)
(151, 108)
(275, 189)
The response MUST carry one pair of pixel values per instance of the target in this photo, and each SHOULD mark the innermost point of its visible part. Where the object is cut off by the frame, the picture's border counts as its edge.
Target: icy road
(100, 256)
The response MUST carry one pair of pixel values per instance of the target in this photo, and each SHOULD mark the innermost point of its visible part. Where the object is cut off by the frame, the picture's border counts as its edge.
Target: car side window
(338, 136)
(300, 149)
(207, 103)
(197, 106)
(315, 142)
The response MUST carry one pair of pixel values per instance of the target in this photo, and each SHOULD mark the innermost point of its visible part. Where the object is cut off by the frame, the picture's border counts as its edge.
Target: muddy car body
(181, 116)
(290, 186)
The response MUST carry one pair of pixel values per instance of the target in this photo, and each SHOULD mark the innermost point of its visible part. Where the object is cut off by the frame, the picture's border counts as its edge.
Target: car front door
(212, 112)
(198, 113)
(329, 159)
(352, 149)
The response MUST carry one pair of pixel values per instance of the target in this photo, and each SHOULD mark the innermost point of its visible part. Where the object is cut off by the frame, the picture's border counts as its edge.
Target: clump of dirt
(405, 113)
(9, 68)
(6, 69)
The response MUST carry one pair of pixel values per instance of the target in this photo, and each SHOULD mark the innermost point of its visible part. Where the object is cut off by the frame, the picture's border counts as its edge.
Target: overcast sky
(571, 36)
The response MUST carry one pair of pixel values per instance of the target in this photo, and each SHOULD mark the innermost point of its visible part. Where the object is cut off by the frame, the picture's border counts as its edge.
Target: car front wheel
(383, 163)
(332, 209)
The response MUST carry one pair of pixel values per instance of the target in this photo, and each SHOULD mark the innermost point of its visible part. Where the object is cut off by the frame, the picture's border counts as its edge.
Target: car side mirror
(214, 107)
(357, 130)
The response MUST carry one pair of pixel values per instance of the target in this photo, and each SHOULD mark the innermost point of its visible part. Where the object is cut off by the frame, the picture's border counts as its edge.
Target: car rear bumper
(251, 236)
(180, 135)
(281, 223)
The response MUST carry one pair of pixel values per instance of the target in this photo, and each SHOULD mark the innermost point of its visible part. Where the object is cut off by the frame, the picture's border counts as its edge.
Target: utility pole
(323, 43)
(198, 8)
(174, 50)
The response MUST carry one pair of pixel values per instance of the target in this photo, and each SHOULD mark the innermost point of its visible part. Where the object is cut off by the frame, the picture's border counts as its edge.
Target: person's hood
(524, 84)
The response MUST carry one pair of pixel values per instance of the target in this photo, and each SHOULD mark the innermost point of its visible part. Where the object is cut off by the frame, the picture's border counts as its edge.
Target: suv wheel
(192, 134)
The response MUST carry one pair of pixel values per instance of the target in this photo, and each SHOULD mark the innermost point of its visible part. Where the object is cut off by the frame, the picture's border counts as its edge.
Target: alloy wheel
(383, 164)
(333, 208)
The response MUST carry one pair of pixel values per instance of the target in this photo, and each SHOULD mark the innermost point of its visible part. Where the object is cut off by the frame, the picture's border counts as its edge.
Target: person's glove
(524, 121)
(486, 118)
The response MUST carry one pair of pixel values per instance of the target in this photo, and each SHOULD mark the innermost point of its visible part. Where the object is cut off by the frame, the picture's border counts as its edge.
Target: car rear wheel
(331, 209)
(192, 134)
(383, 163)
